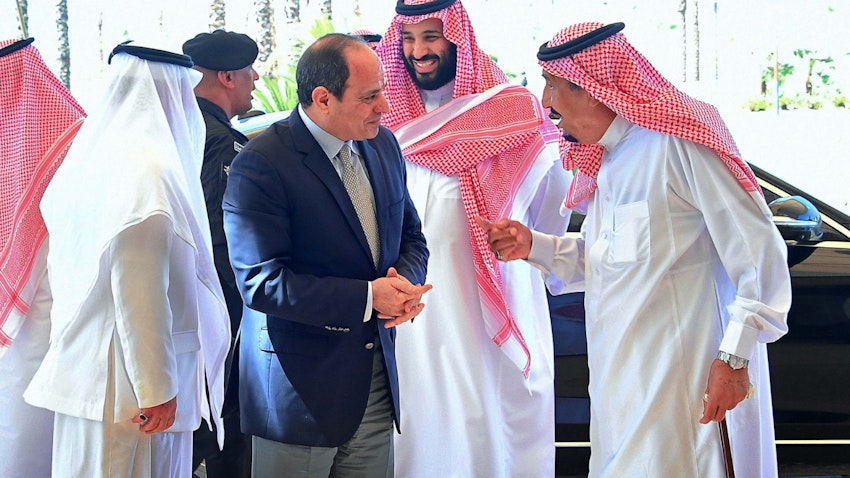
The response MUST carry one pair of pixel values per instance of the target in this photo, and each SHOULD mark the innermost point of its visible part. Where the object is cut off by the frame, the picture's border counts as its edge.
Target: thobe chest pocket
(630, 239)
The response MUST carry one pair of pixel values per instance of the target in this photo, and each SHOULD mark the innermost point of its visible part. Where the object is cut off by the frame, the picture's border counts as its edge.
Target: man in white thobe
(685, 274)
(139, 328)
(476, 368)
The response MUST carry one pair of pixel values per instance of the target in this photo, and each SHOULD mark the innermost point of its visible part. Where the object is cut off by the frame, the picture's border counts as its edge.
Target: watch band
(733, 361)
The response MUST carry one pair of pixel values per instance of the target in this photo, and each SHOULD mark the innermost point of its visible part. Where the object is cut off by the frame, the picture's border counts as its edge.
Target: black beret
(221, 50)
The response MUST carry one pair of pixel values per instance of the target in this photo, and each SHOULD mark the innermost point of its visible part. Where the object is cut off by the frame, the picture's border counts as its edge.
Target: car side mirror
(796, 218)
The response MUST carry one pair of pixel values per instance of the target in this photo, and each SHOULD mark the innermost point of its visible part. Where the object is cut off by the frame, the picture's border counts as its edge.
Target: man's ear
(225, 78)
(321, 98)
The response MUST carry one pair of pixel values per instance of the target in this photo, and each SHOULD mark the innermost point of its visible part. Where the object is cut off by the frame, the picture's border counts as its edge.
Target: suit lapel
(316, 161)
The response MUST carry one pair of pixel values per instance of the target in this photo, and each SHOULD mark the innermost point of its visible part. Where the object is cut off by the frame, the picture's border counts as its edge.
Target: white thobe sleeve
(561, 259)
(750, 248)
(140, 259)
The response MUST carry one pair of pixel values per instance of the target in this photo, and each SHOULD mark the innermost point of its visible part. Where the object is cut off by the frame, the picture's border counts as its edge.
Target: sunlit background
(722, 51)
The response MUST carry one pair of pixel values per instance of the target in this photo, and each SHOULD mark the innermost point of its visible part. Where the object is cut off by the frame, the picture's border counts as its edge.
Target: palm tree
(217, 15)
(292, 12)
(64, 44)
(695, 36)
(23, 17)
(683, 9)
(689, 17)
(266, 37)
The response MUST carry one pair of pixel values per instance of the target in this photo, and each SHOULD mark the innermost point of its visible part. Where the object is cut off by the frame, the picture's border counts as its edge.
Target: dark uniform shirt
(221, 146)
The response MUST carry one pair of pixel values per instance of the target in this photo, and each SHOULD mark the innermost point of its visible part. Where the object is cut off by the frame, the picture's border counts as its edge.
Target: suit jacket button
(370, 346)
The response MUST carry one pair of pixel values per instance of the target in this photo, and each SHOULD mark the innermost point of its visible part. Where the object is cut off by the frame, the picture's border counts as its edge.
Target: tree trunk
(689, 20)
(683, 9)
(292, 10)
(217, 15)
(23, 17)
(266, 37)
(100, 39)
(695, 38)
(64, 44)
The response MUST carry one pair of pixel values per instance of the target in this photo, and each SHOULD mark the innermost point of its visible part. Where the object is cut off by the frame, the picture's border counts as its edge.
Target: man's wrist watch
(733, 361)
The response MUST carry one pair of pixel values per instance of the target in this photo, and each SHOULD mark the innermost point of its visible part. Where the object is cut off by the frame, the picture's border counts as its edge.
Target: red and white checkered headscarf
(490, 147)
(476, 72)
(617, 75)
(38, 120)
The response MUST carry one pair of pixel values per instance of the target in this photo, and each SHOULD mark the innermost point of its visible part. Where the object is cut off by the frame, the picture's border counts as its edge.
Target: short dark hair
(324, 64)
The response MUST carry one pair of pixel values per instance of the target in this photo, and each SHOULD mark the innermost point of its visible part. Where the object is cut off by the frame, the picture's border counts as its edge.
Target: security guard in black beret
(226, 60)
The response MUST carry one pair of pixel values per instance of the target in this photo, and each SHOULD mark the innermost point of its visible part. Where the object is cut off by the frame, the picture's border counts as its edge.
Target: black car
(809, 367)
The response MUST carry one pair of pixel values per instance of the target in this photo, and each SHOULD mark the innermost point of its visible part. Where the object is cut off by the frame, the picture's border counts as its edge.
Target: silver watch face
(735, 362)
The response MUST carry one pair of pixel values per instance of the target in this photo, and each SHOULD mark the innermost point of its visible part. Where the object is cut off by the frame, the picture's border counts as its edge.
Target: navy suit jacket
(302, 264)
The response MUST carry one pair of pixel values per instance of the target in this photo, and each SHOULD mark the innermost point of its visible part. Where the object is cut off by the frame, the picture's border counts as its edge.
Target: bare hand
(158, 418)
(395, 298)
(725, 390)
(508, 239)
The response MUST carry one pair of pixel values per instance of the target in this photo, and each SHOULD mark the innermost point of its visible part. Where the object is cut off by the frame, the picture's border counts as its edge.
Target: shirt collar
(615, 132)
(329, 143)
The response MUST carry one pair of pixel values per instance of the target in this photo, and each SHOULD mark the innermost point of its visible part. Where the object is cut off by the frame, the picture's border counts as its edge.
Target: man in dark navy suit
(329, 258)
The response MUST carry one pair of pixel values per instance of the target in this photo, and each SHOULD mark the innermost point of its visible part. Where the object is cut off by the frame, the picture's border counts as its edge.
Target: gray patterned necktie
(362, 201)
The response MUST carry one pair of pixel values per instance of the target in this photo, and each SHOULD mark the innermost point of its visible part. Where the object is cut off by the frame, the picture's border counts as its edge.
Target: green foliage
(790, 102)
(808, 57)
(802, 53)
(818, 88)
(759, 104)
(841, 101)
(784, 70)
(280, 93)
(320, 28)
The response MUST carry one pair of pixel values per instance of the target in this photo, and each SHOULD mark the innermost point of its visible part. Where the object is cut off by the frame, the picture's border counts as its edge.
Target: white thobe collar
(433, 99)
(615, 132)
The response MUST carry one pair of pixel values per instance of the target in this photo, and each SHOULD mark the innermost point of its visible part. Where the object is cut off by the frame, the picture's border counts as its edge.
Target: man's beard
(446, 69)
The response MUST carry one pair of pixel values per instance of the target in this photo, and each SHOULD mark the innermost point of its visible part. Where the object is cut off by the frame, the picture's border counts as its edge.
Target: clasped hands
(396, 299)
